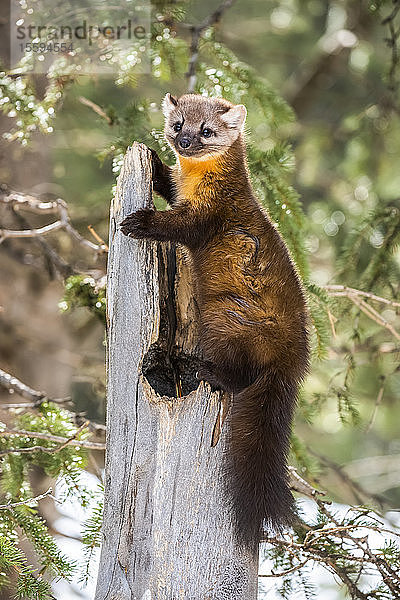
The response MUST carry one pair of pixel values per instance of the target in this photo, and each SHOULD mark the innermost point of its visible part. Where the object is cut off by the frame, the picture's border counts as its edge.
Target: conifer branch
(341, 547)
(197, 33)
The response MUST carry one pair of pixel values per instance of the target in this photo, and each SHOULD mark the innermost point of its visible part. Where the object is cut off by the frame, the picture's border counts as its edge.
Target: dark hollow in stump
(167, 534)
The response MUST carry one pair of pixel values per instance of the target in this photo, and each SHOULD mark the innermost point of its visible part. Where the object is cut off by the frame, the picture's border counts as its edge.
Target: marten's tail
(258, 474)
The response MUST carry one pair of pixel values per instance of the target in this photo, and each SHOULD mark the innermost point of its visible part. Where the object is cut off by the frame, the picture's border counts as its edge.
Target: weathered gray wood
(166, 534)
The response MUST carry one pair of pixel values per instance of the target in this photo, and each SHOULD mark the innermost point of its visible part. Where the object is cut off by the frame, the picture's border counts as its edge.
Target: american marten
(253, 315)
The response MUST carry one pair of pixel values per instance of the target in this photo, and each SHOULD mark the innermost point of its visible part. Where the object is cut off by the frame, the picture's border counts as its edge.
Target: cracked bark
(167, 534)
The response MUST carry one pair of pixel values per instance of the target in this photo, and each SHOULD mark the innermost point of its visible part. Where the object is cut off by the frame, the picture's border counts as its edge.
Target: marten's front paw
(138, 224)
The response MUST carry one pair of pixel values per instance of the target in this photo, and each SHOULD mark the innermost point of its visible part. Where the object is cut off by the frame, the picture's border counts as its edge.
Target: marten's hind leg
(226, 375)
(206, 373)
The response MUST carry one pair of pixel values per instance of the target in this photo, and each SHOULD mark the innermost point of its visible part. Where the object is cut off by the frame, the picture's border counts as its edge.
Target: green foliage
(269, 170)
(369, 253)
(13, 563)
(46, 549)
(91, 537)
(225, 75)
(133, 123)
(84, 291)
(304, 461)
(319, 307)
(65, 462)
(57, 462)
(18, 100)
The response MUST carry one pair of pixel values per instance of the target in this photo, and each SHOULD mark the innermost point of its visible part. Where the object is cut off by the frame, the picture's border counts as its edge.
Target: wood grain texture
(167, 534)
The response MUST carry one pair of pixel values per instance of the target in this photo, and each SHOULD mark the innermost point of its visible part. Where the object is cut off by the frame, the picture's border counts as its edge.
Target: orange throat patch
(189, 174)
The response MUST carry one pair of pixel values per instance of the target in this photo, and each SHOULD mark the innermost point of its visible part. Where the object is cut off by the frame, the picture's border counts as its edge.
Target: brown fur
(252, 309)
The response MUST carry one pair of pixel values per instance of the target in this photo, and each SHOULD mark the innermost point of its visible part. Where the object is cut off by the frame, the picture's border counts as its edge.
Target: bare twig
(375, 316)
(392, 41)
(96, 108)
(360, 494)
(97, 237)
(332, 321)
(298, 484)
(32, 203)
(74, 233)
(54, 263)
(348, 292)
(48, 437)
(284, 573)
(378, 402)
(36, 205)
(358, 297)
(15, 233)
(26, 405)
(197, 33)
(36, 398)
(29, 501)
(12, 384)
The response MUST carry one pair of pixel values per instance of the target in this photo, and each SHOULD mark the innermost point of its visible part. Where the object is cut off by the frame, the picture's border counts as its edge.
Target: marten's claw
(138, 224)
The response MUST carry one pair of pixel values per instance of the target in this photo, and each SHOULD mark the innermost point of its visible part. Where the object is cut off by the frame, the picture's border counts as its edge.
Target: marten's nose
(185, 142)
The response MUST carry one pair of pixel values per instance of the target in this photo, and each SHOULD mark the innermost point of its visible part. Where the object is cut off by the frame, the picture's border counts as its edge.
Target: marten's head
(199, 127)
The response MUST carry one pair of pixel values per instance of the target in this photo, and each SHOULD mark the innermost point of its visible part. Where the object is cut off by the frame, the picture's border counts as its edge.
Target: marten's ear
(235, 116)
(168, 104)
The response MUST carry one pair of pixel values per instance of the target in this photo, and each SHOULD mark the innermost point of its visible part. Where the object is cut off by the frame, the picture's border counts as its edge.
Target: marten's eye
(207, 132)
(177, 127)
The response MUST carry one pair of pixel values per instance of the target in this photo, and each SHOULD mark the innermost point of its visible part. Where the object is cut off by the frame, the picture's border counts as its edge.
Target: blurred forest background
(320, 82)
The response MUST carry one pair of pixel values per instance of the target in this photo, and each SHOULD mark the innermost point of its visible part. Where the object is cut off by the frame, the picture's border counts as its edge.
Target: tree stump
(167, 533)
